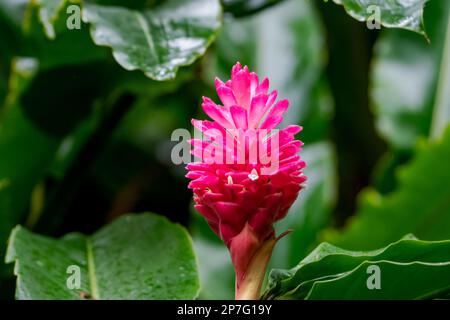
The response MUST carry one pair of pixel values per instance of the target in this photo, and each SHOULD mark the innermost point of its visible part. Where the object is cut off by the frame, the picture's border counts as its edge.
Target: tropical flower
(249, 172)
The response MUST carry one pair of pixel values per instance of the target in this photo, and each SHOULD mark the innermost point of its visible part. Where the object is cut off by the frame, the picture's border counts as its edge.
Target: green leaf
(401, 263)
(420, 204)
(406, 77)
(240, 8)
(392, 13)
(399, 281)
(136, 257)
(156, 41)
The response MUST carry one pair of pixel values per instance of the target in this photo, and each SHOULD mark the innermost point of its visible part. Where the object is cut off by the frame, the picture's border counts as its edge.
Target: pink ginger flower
(241, 196)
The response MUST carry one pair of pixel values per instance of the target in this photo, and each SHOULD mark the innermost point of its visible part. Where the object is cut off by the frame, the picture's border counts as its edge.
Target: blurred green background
(83, 141)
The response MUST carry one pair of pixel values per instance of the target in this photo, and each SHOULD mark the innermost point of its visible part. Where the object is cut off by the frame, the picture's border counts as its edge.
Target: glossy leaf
(156, 41)
(331, 266)
(398, 281)
(136, 257)
(420, 205)
(393, 14)
(405, 78)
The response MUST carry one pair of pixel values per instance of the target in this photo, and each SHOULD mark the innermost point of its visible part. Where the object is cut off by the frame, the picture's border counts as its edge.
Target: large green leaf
(408, 77)
(399, 281)
(392, 13)
(136, 257)
(410, 268)
(420, 204)
(157, 41)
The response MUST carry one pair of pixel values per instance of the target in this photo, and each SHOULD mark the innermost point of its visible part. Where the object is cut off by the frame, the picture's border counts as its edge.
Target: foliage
(132, 258)
(382, 219)
(86, 116)
(411, 269)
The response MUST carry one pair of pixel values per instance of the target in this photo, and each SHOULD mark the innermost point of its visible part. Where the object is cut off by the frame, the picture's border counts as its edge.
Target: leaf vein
(91, 270)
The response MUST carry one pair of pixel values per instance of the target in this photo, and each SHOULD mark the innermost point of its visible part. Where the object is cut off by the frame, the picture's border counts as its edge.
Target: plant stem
(250, 287)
